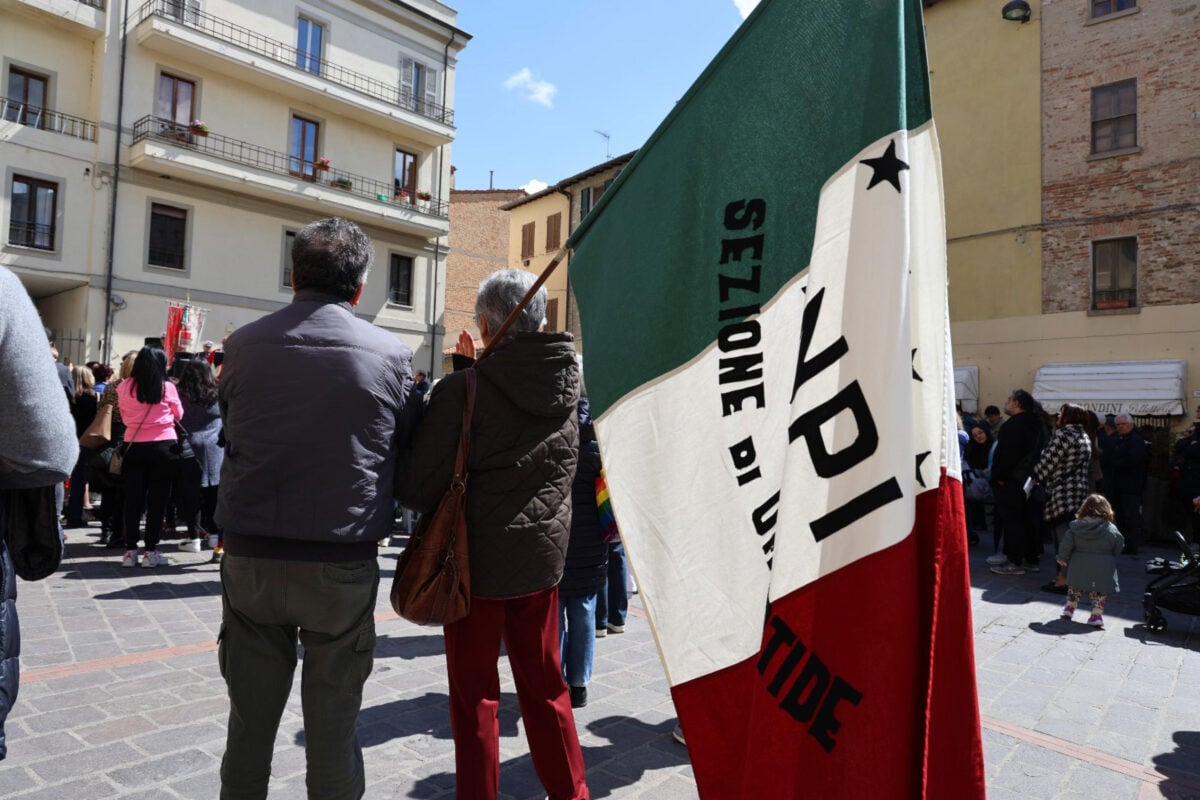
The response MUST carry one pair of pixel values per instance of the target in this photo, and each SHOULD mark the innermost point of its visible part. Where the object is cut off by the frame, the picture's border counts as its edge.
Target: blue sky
(541, 76)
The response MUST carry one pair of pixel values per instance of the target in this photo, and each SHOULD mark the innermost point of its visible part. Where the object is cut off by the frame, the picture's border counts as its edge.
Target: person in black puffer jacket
(586, 569)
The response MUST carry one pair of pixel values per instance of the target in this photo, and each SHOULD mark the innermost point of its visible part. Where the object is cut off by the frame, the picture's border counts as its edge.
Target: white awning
(966, 388)
(1140, 388)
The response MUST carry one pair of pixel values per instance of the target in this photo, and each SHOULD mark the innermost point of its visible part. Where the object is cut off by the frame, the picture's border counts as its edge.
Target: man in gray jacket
(314, 402)
(38, 448)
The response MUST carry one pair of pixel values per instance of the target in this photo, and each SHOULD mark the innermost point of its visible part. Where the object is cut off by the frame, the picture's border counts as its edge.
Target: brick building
(1072, 165)
(1121, 155)
(478, 246)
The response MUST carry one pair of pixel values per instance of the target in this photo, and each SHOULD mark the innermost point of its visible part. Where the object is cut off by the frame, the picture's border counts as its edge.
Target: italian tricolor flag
(766, 349)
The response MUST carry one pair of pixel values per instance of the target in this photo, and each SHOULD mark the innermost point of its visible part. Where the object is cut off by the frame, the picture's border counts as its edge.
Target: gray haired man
(315, 406)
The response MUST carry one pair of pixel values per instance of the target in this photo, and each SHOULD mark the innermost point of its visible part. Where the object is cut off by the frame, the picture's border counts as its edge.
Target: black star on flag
(887, 167)
(916, 376)
(920, 459)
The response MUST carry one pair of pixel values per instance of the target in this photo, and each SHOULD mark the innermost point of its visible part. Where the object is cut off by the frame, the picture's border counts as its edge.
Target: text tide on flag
(763, 298)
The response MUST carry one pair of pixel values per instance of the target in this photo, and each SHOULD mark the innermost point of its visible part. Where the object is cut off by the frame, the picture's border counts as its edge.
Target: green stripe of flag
(795, 94)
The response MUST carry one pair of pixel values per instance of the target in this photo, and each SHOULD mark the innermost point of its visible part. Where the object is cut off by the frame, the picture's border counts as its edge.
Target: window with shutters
(418, 87)
(32, 213)
(527, 234)
(303, 146)
(1114, 273)
(400, 280)
(168, 236)
(552, 314)
(187, 11)
(309, 36)
(585, 201)
(553, 231)
(1114, 117)
(26, 97)
(289, 239)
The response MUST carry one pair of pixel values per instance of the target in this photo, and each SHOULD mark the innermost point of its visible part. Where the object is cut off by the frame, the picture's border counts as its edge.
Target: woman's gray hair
(500, 293)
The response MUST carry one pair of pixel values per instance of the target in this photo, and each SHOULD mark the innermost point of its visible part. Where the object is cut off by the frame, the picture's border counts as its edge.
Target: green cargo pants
(269, 605)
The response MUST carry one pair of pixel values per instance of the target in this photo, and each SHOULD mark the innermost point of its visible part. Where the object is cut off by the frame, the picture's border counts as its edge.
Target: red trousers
(529, 628)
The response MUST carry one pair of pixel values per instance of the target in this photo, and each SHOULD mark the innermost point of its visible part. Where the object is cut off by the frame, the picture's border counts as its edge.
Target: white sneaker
(153, 558)
(997, 558)
(130, 559)
(189, 546)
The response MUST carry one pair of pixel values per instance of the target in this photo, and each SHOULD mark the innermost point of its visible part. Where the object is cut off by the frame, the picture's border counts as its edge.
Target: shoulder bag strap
(464, 437)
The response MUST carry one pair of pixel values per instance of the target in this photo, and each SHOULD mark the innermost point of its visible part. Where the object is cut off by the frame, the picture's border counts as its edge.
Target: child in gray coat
(1089, 551)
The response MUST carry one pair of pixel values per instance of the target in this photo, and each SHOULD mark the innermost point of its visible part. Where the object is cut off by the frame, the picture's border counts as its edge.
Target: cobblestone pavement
(121, 696)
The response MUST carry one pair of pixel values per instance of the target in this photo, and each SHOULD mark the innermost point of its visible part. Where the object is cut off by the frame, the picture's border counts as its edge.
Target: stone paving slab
(121, 696)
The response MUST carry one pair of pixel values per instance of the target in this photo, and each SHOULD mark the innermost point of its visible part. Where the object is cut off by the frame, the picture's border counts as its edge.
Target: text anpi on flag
(766, 342)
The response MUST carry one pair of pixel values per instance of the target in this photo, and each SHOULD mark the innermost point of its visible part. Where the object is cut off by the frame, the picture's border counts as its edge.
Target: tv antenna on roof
(607, 155)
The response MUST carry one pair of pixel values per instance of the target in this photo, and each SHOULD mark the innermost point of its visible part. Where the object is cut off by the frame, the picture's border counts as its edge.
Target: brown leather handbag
(432, 585)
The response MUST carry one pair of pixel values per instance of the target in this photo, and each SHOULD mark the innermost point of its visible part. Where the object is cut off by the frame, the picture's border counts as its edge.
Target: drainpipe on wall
(112, 212)
(434, 351)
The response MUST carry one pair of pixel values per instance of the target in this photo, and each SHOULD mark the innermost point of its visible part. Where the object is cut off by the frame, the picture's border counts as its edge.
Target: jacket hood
(1090, 528)
(536, 371)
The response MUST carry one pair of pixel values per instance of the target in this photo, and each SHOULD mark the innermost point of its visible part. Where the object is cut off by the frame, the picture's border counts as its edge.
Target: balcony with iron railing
(46, 120)
(172, 148)
(80, 16)
(166, 24)
(38, 235)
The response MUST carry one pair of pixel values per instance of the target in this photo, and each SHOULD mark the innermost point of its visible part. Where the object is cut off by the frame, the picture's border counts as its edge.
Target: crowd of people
(162, 426)
(294, 507)
(1070, 479)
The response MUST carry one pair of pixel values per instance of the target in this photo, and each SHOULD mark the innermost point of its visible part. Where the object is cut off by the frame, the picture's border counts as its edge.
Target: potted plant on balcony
(198, 128)
(402, 196)
(341, 183)
(321, 163)
(426, 196)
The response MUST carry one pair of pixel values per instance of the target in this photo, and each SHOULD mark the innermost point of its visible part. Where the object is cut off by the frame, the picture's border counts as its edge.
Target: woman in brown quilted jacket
(520, 467)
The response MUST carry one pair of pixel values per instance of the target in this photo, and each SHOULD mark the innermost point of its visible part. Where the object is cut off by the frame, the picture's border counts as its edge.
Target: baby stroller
(1177, 587)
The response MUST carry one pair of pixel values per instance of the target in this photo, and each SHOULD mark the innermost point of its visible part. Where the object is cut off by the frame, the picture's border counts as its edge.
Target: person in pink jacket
(149, 407)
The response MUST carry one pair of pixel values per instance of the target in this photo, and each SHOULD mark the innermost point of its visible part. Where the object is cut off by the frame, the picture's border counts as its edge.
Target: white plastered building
(309, 109)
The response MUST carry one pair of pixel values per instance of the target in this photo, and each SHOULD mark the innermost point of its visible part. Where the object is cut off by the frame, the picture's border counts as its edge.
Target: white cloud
(534, 186)
(537, 91)
(744, 7)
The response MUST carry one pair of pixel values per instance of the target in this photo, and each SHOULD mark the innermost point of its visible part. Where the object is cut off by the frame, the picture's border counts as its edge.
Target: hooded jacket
(523, 452)
(1090, 547)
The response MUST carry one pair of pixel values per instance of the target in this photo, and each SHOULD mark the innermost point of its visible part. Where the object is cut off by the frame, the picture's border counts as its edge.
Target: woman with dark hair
(1062, 470)
(977, 457)
(150, 407)
(196, 490)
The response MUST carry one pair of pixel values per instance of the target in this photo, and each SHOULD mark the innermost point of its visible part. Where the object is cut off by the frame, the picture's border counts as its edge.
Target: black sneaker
(578, 696)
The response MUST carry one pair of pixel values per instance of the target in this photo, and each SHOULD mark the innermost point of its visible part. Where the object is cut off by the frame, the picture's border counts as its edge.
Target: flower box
(1106, 304)
(321, 164)
(341, 183)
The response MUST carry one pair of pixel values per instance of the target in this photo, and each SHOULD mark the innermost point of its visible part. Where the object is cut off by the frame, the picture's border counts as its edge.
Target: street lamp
(1016, 11)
